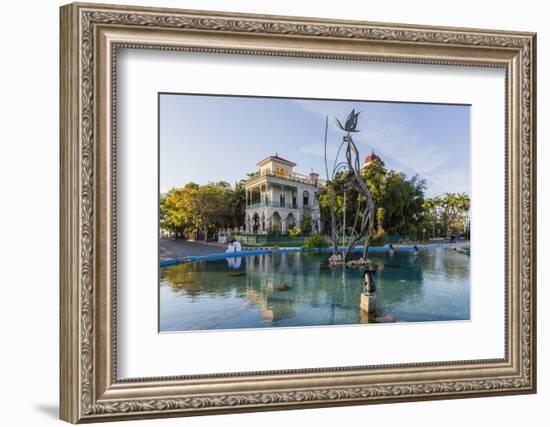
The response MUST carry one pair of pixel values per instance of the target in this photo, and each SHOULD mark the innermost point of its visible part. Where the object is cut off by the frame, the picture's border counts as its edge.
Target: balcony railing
(279, 205)
(294, 177)
(273, 205)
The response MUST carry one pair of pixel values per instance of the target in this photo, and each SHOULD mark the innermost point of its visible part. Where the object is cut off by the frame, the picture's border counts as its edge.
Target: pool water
(299, 289)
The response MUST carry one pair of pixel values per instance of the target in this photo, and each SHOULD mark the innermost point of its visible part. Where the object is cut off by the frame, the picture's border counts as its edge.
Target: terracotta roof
(372, 157)
(277, 159)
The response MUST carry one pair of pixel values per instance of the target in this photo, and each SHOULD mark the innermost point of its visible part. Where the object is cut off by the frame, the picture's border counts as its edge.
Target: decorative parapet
(295, 177)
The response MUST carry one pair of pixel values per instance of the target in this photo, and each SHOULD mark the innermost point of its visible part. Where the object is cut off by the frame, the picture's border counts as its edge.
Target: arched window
(306, 198)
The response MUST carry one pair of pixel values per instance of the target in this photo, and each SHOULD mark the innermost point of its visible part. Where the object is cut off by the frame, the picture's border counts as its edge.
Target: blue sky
(220, 138)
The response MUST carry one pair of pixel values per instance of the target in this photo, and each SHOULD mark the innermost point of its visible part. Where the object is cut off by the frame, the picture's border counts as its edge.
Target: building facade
(277, 198)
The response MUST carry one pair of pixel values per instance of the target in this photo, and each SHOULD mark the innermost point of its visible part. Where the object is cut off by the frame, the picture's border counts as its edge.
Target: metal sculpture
(348, 172)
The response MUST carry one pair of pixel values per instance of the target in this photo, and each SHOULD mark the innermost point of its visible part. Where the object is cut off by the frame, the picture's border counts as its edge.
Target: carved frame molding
(90, 37)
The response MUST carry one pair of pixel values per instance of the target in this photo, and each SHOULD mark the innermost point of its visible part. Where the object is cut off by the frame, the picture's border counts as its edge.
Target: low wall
(251, 252)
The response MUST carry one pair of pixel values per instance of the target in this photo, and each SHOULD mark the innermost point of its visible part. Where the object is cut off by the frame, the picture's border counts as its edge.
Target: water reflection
(234, 262)
(293, 289)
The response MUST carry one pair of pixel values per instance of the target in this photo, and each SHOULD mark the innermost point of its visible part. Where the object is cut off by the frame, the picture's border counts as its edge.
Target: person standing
(233, 246)
(230, 246)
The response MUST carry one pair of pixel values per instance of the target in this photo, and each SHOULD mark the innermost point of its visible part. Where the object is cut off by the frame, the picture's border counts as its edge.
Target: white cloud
(315, 149)
(441, 181)
(396, 139)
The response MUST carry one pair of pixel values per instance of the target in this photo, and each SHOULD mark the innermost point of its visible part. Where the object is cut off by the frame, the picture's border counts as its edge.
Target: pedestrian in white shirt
(233, 246)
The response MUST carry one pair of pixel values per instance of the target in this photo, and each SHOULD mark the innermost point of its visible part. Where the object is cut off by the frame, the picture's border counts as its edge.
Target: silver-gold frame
(90, 37)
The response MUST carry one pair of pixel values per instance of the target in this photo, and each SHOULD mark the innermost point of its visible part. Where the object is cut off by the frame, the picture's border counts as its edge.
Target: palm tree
(464, 203)
(454, 204)
(450, 211)
(432, 204)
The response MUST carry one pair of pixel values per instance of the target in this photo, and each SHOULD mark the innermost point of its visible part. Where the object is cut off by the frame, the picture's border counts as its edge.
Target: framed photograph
(266, 212)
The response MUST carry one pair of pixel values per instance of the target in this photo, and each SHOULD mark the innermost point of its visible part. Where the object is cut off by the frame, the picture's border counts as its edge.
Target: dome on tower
(372, 157)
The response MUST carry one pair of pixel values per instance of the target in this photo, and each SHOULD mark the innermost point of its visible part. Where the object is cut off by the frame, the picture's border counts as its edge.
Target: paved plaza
(172, 249)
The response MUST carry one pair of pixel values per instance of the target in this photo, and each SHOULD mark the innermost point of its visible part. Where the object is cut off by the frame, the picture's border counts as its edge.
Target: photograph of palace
(298, 212)
(277, 197)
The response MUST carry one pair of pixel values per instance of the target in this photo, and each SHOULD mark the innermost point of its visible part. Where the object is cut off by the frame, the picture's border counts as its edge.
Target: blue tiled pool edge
(172, 262)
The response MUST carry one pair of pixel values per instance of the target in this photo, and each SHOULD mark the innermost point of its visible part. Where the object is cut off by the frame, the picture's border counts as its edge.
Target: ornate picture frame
(90, 37)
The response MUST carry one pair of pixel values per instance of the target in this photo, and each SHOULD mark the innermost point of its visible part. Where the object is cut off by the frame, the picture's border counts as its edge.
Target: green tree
(315, 241)
(431, 207)
(205, 208)
(214, 208)
(402, 201)
(178, 209)
(454, 207)
(239, 204)
(379, 219)
(353, 198)
(305, 223)
(448, 211)
(375, 176)
(400, 198)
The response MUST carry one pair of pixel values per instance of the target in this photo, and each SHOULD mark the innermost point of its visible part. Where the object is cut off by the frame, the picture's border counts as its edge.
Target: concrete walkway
(174, 249)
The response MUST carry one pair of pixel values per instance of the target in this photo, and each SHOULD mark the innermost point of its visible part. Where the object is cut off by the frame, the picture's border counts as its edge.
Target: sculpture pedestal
(368, 302)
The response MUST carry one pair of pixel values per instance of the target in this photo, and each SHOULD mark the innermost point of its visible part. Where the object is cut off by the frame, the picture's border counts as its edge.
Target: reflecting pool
(298, 289)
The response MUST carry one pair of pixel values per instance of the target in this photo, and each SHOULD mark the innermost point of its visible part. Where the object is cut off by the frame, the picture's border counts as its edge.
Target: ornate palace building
(277, 197)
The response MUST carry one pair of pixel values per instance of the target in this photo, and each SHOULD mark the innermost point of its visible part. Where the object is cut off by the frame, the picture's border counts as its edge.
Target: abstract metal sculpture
(348, 173)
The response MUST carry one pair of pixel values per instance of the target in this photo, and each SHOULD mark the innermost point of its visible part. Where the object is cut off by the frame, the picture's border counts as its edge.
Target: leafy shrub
(316, 241)
(294, 232)
(379, 238)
